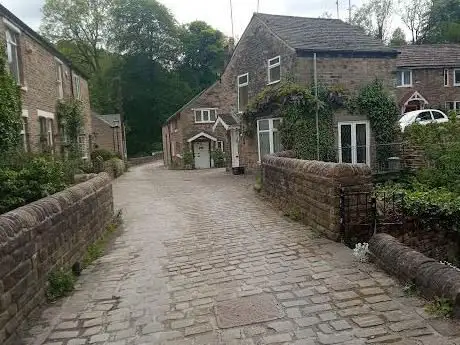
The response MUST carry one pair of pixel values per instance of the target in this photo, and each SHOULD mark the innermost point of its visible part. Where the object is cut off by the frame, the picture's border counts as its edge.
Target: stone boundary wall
(47, 234)
(156, 156)
(312, 188)
(430, 276)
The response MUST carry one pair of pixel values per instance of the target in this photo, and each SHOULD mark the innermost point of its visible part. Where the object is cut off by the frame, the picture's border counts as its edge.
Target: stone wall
(431, 277)
(156, 156)
(45, 235)
(312, 188)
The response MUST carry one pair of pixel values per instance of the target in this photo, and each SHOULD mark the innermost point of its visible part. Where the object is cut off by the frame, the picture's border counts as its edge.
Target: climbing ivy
(10, 108)
(297, 105)
(374, 102)
(70, 116)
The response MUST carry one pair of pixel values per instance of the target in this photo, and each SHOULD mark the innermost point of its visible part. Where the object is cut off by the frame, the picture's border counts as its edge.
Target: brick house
(45, 76)
(109, 133)
(275, 48)
(428, 76)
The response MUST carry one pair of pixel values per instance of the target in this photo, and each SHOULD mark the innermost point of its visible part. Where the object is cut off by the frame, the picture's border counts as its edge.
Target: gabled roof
(429, 56)
(4, 12)
(322, 34)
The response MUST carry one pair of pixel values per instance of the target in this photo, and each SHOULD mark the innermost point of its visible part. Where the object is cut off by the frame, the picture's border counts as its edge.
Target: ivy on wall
(10, 108)
(297, 105)
(70, 116)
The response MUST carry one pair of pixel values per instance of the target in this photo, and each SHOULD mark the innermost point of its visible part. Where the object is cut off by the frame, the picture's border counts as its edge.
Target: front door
(234, 138)
(201, 151)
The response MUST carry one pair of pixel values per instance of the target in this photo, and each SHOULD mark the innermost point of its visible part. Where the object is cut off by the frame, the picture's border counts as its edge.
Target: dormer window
(274, 70)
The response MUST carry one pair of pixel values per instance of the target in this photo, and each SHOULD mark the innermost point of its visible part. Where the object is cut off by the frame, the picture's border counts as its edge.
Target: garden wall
(312, 188)
(50, 233)
(156, 156)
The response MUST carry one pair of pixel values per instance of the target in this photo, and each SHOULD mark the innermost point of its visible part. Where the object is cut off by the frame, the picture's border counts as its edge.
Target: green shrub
(115, 167)
(188, 159)
(219, 158)
(31, 180)
(60, 283)
(105, 154)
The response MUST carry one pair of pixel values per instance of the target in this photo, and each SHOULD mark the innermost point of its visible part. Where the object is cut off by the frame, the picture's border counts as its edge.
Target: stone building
(428, 76)
(275, 48)
(45, 76)
(109, 133)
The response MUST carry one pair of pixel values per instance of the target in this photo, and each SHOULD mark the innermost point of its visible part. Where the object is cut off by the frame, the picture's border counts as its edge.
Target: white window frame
(271, 66)
(270, 130)
(238, 86)
(59, 79)
(446, 75)
(454, 83)
(354, 154)
(24, 118)
(401, 77)
(455, 103)
(220, 145)
(77, 82)
(10, 31)
(83, 146)
(202, 110)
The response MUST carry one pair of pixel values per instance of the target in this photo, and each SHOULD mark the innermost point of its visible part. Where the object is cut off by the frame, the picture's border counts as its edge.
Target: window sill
(274, 82)
(457, 85)
(403, 86)
(204, 122)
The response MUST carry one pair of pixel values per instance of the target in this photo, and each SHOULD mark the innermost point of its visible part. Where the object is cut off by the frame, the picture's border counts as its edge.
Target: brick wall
(105, 137)
(349, 72)
(312, 188)
(430, 84)
(47, 234)
(39, 88)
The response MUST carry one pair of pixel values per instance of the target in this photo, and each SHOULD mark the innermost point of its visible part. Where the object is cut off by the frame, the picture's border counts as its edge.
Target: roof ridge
(289, 16)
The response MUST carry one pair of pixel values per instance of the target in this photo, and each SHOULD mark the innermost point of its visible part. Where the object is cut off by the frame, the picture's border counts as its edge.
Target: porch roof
(227, 121)
(201, 134)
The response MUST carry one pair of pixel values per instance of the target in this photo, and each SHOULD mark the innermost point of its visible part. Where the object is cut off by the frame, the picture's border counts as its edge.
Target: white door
(202, 154)
(234, 138)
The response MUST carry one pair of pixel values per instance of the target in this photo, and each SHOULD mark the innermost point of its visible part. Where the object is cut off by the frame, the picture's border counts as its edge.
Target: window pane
(345, 142)
(205, 115)
(275, 74)
(406, 75)
(213, 115)
(243, 98)
(276, 124)
(457, 77)
(197, 116)
(450, 105)
(361, 141)
(264, 143)
(264, 125)
(457, 106)
(277, 147)
(446, 77)
(274, 61)
(425, 116)
(398, 78)
(243, 79)
(437, 115)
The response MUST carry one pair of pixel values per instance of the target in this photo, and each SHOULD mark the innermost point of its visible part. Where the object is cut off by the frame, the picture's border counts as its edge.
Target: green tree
(10, 108)
(413, 13)
(145, 27)
(442, 22)
(203, 54)
(82, 23)
(398, 38)
(374, 17)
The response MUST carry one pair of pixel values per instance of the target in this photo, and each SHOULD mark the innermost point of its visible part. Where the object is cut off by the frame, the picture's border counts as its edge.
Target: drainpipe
(315, 73)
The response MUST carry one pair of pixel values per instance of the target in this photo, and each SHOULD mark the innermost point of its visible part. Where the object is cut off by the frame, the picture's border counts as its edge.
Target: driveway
(203, 260)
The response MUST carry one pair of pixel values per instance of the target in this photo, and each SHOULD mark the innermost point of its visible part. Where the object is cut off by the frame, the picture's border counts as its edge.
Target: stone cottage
(45, 76)
(428, 76)
(275, 48)
(109, 133)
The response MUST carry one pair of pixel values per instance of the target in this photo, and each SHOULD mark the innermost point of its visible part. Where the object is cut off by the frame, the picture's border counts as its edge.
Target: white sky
(214, 12)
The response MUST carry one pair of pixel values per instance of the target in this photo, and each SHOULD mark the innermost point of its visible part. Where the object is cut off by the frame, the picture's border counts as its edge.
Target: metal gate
(363, 214)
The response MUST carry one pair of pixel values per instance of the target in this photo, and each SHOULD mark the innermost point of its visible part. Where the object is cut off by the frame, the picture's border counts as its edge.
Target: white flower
(361, 252)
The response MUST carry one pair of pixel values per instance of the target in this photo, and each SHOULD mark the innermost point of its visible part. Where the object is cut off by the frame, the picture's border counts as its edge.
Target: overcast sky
(214, 12)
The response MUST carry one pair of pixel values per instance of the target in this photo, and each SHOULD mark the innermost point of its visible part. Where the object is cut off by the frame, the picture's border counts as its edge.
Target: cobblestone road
(202, 260)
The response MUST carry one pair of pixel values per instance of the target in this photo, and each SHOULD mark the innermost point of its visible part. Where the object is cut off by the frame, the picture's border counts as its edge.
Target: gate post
(373, 215)
(342, 214)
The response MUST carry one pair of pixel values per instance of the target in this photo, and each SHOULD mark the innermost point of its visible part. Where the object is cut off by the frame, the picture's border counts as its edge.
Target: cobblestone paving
(198, 243)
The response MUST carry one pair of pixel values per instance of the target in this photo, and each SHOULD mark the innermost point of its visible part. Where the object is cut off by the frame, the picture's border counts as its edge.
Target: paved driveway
(202, 260)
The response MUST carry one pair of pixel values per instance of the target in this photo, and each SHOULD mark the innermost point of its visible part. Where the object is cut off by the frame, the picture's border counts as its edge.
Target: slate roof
(429, 56)
(322, 34)
(112, 120)
(228, 119)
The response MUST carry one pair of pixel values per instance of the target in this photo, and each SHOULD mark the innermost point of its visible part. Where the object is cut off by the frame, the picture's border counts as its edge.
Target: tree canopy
(140, 61)
(398, 38)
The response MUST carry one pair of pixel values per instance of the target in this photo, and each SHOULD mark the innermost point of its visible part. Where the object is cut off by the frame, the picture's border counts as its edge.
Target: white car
(422, 117)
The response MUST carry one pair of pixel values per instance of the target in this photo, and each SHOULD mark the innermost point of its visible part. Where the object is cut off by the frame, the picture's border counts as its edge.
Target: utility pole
(338, 14)
(258, 1)
(231, 18)
(349, 11)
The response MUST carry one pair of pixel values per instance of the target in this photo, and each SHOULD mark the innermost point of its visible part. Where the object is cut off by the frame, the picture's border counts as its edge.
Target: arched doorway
(415, 102)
